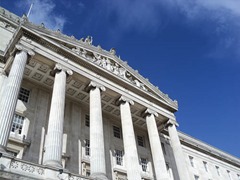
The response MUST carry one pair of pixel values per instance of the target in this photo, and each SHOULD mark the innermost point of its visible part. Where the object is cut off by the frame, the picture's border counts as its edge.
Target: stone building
(72, 110)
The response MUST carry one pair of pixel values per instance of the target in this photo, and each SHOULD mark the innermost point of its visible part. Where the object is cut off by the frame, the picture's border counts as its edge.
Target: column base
(3, 149)
(53, 163)
(4, 153)
(99, 176)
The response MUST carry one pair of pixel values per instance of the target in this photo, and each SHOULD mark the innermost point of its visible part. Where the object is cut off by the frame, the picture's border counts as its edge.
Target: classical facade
(71, 110)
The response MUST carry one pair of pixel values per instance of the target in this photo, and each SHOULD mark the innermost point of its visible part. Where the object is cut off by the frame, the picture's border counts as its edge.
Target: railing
(13, 168)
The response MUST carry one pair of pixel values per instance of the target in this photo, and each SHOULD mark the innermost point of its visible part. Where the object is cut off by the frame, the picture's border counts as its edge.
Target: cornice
(84, 49)
(207, 149)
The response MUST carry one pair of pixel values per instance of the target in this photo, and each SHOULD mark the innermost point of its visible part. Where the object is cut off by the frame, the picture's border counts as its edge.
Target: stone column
(155, 144)
(9, 100)
(97, 151)
(130, 148)
(3, 77)
(53, 145)
(177, 151)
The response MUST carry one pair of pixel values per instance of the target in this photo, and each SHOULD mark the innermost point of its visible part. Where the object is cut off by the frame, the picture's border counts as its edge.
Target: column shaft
(178, 153)
(9, 100)
(97, 152)
(156, 149)
(53, 146)
(130, 148)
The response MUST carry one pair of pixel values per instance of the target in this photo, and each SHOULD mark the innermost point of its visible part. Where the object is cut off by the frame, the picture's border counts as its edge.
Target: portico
(126, 96)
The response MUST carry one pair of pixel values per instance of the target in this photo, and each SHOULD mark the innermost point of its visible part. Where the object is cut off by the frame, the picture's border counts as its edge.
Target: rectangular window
(87, 120)
(169, 170)
(23, 94)
(205, 166)
(140, 140)
(144, 164)
(163, 148)
(218, 171)
(191, 161)
(17, 124)
(229, 174)
(87, 147)
(119, 157)
(88, 173)
(196, 177)
(117, 132)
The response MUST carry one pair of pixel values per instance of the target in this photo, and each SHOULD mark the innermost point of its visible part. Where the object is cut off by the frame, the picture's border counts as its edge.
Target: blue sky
(189, 49)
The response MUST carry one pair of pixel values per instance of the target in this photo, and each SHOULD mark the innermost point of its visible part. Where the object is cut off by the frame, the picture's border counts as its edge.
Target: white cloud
(219, 20)
(224, 17)
(43, 12)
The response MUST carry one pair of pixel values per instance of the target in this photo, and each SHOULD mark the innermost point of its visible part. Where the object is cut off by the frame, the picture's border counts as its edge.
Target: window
(144, 164)
(87, 147)
(140, 140)
(117, 132)
(229, 174)
(23, 94)
(191, 161)
(218, 171)
(87, 121)
(12, 152)
(205, 166)
(196, 177)
(17, 124)
(163, 148)
(169, 170)
(88, 173)
(119, 157)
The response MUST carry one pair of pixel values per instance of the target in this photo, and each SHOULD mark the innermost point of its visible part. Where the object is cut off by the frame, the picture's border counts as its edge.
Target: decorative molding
(105, 59)
(148, 112)
(23, 48)
(58, 67)
(27, 168)
(124, 99)
(93, 85)
(171, 122)
(7, 26)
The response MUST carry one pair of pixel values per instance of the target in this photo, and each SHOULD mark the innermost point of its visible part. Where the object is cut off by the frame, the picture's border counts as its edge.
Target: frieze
(27, 168)
(105, 59)
(7, 26)
(109, 64)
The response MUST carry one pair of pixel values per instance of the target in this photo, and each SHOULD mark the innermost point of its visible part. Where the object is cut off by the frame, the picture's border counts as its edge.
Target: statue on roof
(89, 40)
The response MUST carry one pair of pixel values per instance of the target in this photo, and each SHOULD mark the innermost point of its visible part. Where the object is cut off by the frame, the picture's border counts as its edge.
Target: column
(53, 145)
(177, 151)
(3, 77)
(9, 100)
(130, 148)
(155, 144)
(97, 151)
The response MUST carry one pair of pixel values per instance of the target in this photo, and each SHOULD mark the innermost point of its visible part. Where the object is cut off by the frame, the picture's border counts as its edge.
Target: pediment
(106, 60)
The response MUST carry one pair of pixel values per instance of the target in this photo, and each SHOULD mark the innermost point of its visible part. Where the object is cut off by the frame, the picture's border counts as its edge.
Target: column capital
(124, 99)
(171, 122)
(58, 67)
(94, 85)
(20, 47)
(148, 112)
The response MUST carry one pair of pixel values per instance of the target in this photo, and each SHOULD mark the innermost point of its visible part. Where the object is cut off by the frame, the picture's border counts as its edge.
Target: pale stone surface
(92, 63)
(178, 152)
(9, 100)
(53, 145)
(156, 149)
(130, 148)
(98, 166)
